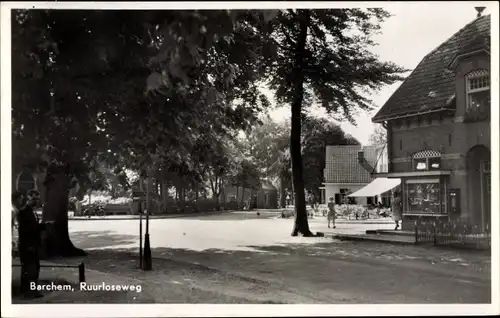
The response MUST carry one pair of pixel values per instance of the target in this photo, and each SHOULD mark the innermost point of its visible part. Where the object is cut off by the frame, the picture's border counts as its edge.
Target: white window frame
(475, 75)
(427, 166)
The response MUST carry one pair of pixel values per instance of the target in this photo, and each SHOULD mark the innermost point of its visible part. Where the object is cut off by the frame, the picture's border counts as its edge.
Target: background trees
(165, 93)
(379, 136)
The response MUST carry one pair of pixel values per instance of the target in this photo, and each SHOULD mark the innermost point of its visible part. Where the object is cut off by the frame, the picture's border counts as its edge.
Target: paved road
(244, 259)
(232, 231)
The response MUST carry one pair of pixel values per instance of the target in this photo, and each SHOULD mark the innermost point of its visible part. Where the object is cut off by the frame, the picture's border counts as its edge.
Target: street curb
(151, 217)
(392, 232)
(352, 222)
(347, 237)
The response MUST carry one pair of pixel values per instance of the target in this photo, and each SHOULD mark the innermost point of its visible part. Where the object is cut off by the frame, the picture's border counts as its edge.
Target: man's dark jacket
(29, 232)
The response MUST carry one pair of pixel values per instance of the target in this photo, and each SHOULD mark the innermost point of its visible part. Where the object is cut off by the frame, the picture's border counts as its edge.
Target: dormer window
(478, 90)
(427, 160)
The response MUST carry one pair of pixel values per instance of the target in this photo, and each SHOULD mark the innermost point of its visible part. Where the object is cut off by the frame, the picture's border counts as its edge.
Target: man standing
(17, 204)
(29, 244)
(397, 208)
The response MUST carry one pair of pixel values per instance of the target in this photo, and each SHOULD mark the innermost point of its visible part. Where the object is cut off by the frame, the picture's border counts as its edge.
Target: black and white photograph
(235, 158)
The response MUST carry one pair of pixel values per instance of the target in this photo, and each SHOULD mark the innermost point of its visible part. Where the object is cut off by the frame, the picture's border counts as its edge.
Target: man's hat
(33, 194)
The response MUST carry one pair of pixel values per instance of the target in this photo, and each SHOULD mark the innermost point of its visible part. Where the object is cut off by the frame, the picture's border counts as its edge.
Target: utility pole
(137, 197)
(147, 245)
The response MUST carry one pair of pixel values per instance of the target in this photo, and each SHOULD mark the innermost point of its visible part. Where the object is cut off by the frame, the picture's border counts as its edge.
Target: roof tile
(342, 165)
(432, 73)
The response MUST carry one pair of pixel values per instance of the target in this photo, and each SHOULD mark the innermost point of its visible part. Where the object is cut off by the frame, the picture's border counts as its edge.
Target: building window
(342, 197)
(478, 90)
(434, 163)
(427, 160)
(424, 196)
(420, 164)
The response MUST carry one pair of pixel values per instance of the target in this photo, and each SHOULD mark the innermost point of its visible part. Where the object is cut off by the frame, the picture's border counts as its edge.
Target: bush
(97, 199)
(287, 213)
(232, 206)
(170, 206)
(120, 200)
(349, 211)
(206, 205)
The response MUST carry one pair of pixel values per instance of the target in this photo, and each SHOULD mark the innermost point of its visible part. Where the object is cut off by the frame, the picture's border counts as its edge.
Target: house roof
(431, 86)
(372, 153)
(342, 165)
(267, 185)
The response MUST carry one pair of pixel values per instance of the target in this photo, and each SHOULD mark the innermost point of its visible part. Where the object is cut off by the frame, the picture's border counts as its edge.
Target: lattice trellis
(478, 73)
(427, 154)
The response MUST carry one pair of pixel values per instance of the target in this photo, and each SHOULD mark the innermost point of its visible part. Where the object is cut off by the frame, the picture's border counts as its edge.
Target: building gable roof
(267, 185)
(342, 165)
(431, 85)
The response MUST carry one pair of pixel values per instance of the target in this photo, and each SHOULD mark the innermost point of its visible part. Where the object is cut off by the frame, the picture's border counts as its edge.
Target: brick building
(438, 131)
(264, 198)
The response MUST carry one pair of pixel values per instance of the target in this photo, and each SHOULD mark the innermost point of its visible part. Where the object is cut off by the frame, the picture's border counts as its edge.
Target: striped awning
(376, 187)
(427, 154)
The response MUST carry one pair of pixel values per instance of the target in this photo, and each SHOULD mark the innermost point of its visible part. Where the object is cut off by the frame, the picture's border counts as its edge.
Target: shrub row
(170, 207)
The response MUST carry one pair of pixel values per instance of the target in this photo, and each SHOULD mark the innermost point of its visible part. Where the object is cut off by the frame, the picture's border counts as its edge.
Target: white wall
(331, 189)
(382, 164)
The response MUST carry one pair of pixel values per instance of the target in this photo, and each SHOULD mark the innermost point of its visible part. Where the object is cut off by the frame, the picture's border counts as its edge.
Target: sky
(414, 30)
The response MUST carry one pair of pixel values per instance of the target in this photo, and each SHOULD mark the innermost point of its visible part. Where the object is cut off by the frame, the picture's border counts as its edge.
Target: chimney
(479, 11)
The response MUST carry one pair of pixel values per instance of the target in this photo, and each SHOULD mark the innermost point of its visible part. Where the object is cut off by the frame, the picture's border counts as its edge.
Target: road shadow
(365, 269)
(105, 239)
(234, 216)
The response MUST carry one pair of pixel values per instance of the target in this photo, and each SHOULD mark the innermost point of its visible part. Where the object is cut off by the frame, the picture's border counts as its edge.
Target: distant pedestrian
(331, 212)
(29, 244)
(316, 207)
(310, 199)
(397, 210)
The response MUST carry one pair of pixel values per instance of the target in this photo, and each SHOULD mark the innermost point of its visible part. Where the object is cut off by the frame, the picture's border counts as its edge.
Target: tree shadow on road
(289, 267)
(91, 239)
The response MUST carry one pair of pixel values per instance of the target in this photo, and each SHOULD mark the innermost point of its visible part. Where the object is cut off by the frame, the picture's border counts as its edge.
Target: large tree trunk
(57, 241)
(164, 195)
(237, 193)
(149, 195)
(217, 202)
(253, 201)
(242, 202)
(182, 198)
(301, 224)
(222, 195)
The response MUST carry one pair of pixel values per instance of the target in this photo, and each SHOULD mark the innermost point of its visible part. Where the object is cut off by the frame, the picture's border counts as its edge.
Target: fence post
(416, 232)
(435, 238)
(81, 272)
